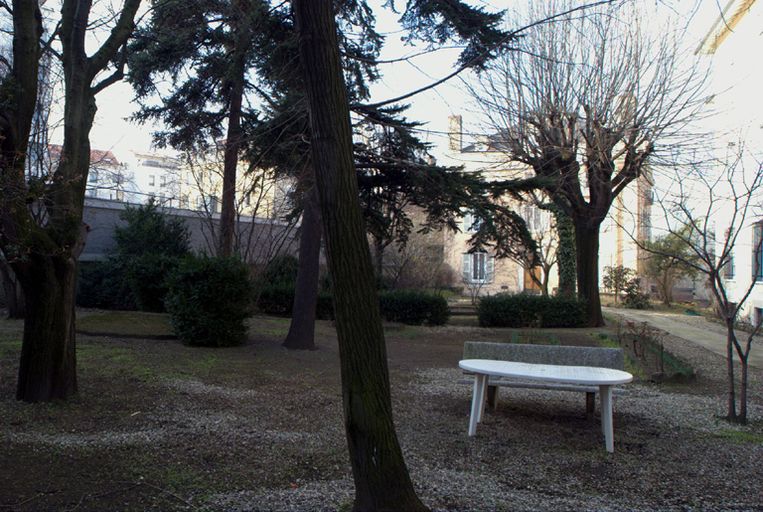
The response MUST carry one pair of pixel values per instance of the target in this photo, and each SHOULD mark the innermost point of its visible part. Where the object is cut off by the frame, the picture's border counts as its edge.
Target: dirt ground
(161, 426)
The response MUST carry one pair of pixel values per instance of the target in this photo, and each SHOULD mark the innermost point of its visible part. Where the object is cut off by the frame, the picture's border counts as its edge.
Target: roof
(97, 156)
(724, 25)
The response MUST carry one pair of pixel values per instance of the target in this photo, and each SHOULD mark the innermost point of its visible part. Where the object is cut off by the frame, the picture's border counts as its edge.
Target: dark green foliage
(149, 247)
(521, 310)
(414, 307)
(146, 277)
(408, 307)
(279, 300)
(208, 301)
(634, 299)
(565, 253)
(148, 230)
(101, 284)
(281, 272)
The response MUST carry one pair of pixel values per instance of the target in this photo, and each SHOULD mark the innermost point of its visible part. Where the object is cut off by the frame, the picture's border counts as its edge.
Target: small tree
(666, 262)
(691, 210)
(617, 279)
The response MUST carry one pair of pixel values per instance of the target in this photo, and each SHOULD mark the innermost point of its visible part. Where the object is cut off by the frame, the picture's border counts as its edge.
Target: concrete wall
(264, 236)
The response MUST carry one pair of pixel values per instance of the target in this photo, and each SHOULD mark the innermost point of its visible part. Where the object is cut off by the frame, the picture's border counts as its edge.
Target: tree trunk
(12, 290)
(233, 141)
(566, 266)
(381, 478)
(587, 250)
(743, 393)
(48, 361)
(732, 407)
(379, 258)
(301, 334)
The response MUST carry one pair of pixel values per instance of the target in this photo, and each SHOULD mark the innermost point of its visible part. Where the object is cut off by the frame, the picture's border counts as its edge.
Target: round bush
(208, 301)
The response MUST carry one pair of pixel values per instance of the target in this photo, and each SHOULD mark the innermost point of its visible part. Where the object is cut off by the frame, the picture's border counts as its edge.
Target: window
(728, 267)
(478, 267)
(757, 253)
(532, 216)
(472, 223)
(93, 176)
(152, 180)
(163, 180)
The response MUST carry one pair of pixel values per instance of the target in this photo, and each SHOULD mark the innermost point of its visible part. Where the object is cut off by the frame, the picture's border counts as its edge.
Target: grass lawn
(162, 426)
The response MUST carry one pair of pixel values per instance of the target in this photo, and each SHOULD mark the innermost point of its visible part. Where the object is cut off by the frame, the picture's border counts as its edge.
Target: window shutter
(467, 267)
(490, 270)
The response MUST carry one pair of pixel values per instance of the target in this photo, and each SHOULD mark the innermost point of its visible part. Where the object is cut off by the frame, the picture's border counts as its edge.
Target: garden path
(695, 329)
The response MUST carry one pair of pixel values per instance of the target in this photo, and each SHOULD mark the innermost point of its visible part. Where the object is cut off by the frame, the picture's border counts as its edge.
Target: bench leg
(590, 404)
(492, 397)
(606, 417)
(478, 401)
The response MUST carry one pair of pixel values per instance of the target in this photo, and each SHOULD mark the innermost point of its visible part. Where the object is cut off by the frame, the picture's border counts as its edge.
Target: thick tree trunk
(731, 401)
(48, 362)
(566, 265)
(587, 250)
(381, 478)
(12, 291)
(301, 334)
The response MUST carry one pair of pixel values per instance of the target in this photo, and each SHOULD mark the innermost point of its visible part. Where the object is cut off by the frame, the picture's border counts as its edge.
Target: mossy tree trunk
(44, 254)
(565, 254)
(381, 478)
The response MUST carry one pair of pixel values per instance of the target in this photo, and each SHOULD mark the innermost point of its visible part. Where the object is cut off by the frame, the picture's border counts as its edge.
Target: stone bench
(544, 354)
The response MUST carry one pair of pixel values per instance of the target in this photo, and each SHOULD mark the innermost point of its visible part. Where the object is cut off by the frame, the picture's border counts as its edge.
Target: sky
(113, 131)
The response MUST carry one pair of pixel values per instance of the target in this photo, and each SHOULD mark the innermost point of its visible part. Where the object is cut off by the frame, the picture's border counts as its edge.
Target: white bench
(598, 357)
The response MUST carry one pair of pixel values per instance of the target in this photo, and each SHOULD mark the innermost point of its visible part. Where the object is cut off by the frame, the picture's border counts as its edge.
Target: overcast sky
(113, 131)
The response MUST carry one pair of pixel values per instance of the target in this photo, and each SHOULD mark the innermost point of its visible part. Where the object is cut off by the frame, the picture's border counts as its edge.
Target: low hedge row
(408, 307)
(521, 310)
(279, 300)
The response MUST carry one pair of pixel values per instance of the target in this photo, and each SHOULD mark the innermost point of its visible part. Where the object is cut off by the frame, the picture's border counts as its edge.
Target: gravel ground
(257, 428)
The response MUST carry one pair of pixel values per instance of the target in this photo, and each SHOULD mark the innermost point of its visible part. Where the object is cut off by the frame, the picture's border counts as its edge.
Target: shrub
(101, 285)
(281, 272)
(522, 310)
(634, 299)
(408, 307)
(147, 277)
(148, 248)
(413, 307)
(279, 300)
(209, 300)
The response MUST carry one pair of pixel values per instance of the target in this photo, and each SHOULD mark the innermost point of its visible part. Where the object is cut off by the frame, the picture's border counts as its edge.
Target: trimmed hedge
(414, 307)
(408, 307)
(521, 310)
(279, 300)
(208, 301)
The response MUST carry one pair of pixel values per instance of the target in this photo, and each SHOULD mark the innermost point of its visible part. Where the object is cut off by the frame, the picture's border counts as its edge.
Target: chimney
(455, 133)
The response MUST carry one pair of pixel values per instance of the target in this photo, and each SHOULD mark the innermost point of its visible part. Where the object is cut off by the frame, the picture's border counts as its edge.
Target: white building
(731, 45)
(629, 217)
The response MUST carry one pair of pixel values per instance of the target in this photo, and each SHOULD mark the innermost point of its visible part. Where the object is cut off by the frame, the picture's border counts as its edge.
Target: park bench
(543, 354)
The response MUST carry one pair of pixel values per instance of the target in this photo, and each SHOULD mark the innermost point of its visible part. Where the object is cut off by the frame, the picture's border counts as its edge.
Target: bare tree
(261, 228)
(586, 102)
(692, 209)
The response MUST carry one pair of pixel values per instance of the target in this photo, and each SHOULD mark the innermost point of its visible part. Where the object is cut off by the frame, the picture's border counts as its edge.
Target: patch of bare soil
(161, 426)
